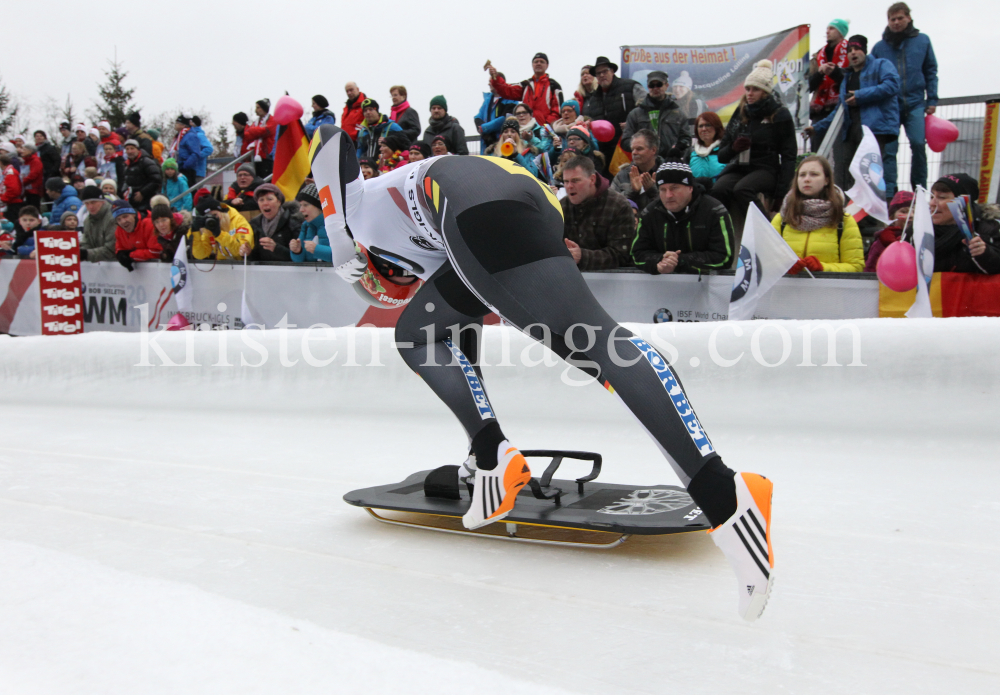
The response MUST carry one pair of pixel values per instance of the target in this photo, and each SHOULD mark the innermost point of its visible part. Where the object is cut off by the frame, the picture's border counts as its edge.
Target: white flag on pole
(764, 258)
(246, 316)
(868, 190)
(923, 242)
(182, 287)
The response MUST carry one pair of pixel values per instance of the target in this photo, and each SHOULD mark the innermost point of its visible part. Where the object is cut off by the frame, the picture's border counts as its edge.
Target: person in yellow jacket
(813, 223)
(218, 229)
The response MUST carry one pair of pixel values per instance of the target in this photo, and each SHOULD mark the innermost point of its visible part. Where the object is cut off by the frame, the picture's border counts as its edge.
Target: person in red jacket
(107, 135)
(135, 238)
(10, 185)
(32, 183)
(353, 114)
(541, 92)
(262, 134)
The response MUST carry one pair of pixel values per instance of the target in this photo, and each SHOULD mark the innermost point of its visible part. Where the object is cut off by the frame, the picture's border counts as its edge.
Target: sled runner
(604, 514)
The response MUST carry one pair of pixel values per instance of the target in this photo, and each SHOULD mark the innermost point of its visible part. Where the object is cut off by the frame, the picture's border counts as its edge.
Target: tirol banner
(710, 78)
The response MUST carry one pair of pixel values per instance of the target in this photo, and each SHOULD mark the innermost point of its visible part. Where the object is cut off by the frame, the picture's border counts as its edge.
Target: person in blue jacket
(912, 55)
(193, 152)
(492, 114)
(868, 95)
(321, 114)
(64, 196)
(313, 244)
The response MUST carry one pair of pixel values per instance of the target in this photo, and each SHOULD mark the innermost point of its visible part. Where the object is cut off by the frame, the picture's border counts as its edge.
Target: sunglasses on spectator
(656, 84)
(520, 113)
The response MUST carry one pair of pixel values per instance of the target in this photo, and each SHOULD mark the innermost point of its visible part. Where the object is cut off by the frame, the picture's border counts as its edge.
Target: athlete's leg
(427, 337)
(511, 254)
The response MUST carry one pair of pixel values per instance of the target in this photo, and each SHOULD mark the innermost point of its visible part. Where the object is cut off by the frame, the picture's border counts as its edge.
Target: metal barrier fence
(963, 155)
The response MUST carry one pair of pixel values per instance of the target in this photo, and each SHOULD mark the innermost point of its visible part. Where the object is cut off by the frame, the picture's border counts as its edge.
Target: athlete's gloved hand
(741, 144)
(354, 268)
(797, 268)
(813, 264)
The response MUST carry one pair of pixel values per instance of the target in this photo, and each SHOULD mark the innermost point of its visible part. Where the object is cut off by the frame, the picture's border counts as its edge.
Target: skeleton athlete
(485, 235)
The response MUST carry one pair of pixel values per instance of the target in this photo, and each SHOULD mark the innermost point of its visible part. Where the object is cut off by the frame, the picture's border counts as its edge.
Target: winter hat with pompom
(762, 76)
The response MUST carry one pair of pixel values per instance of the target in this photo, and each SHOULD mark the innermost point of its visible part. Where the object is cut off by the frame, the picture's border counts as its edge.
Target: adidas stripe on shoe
(494, 491)
(745, 538)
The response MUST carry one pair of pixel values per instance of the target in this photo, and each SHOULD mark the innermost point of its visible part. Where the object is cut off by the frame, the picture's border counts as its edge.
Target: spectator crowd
(647, 176)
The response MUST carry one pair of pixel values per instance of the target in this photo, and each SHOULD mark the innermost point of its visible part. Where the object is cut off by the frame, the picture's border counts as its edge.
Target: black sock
(485, 445)
(714, 490)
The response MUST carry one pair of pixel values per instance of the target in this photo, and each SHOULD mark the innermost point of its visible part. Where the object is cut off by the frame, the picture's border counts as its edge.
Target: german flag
(951, 294)
(291, 159)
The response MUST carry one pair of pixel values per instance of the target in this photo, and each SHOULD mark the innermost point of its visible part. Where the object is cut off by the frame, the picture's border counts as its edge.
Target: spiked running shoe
(495, 491)
(745, 538)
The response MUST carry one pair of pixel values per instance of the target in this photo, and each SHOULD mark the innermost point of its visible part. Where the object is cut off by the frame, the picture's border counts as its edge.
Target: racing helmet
(386, 285)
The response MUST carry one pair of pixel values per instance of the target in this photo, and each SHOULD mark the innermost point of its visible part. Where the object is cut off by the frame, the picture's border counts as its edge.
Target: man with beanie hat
(312, 243)
(241, 192)
(98, 243)
(660, 113)
(352, 115)
(868, 93)
(276, 226)
(826, 71)
(321, 114)
(440, 123)
(953, 253)
(175, 183)
(541, 93)
(685, 230)
(143, 177)
(135, 132)
(261, 135)
(911, 52)
(240, 146)
(375, 126)
(64, 195)
(135, 238)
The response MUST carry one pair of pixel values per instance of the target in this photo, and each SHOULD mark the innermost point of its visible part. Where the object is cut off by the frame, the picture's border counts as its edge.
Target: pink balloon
(602, 130)
(287, 110)
(897, 267)
(939, 132)
(178, 323)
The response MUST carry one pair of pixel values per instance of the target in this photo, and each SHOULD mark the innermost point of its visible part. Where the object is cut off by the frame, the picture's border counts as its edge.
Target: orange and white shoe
(494, 491)
(745, 538)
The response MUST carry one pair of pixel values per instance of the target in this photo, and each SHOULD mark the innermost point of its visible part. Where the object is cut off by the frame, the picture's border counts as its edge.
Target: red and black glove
(741, 144)
(797, 268)
(813, 264)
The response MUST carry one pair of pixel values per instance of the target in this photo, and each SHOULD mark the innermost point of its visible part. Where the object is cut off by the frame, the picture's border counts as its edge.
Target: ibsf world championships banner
(710, 78)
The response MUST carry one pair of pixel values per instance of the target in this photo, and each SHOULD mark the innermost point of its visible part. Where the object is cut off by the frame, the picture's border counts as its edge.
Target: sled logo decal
(677, 395)
(645, 502)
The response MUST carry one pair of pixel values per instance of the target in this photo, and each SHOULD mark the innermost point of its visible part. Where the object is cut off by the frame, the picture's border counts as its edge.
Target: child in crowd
(24, 242)
(109, 189)
(313, 243)
(899, 209)
(369, 169)
(69, 221)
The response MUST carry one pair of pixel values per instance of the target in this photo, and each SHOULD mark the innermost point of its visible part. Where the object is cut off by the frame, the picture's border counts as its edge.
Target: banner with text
(989, 168)
(710, 78)
(58, 258)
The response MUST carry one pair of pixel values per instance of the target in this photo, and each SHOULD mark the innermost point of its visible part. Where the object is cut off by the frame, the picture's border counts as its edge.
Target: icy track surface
(181, 529)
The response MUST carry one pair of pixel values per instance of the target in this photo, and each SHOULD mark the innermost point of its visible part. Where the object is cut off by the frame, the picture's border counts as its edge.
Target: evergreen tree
(116, 100)
(67, 112)
(223, 145)
(7, 118)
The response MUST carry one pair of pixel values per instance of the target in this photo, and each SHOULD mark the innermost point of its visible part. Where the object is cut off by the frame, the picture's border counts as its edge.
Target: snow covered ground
(181, 529)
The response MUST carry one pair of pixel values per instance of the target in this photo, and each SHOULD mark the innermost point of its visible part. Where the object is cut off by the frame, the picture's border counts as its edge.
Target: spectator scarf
(176, 144)
(398, 159)
(398, 109)
(702, 151)
(828, 92)
(815, 214)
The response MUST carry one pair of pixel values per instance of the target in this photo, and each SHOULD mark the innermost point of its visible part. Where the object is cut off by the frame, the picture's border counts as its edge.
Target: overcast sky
(221, 57)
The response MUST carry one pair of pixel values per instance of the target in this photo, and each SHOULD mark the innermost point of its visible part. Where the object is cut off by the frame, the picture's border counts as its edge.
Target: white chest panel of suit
(393, 223)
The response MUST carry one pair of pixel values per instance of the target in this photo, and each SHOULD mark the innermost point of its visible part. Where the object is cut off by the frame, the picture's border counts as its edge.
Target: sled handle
(557, 458)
